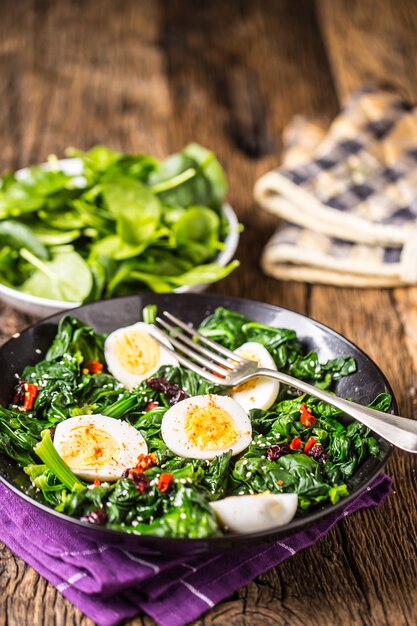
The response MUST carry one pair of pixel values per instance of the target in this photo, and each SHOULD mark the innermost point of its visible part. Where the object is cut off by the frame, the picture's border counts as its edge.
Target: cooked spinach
(314, 461)
(128, 223)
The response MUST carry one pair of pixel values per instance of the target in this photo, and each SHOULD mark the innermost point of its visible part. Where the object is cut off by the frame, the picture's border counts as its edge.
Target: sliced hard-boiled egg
(98, 447)
(132, 354)
(253, 513)
(260, 392)
(203, 427)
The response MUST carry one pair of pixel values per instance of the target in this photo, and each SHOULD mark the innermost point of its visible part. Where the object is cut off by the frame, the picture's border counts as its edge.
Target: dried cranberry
(172, 390)
(158, 384)
(276, 452)
(179, 396)
(19, 396)
(318, 454)
(142, 482)
(97, 517)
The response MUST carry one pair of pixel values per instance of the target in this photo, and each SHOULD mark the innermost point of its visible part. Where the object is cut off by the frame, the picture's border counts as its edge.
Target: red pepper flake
(151, 405)
(97, 483)
(145, 462)
(295, 443)
(306, 418)
(93, 367)
(309, 444)
(164, 482)
(31, 391)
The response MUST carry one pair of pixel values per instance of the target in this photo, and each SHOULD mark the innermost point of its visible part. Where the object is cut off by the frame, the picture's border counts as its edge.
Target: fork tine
(206, 340)
(197, 347)
(195, 356)
(187, 363)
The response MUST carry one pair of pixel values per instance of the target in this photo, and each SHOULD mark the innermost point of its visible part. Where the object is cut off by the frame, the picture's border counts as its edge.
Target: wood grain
(154, 75)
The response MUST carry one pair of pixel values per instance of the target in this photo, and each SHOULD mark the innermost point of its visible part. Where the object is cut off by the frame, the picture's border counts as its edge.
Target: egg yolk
(210, 427)
(136, 352)
(88, 446)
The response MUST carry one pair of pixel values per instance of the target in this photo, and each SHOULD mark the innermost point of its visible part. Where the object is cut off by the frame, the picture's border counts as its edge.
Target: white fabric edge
(308, 274)
(286, 253)
(302, 208)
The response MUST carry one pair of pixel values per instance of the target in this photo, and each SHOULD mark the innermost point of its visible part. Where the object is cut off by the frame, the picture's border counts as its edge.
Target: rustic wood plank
(365, 44)
(225, 67)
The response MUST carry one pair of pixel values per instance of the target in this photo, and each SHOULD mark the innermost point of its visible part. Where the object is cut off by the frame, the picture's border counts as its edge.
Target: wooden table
(148, 75)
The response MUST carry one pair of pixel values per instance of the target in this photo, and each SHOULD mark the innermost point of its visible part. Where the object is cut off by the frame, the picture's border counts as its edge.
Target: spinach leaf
(56, 279)
(204, 183)
(17, 236)
(136, 209)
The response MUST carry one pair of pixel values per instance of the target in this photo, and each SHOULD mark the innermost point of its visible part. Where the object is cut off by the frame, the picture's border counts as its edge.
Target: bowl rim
(231, 243)
(232, 540)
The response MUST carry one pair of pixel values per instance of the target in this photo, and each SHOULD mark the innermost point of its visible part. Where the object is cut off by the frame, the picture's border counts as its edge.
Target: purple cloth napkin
(110, 584)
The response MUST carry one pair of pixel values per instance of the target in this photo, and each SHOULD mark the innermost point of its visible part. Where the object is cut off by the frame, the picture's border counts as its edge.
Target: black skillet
(106, 316)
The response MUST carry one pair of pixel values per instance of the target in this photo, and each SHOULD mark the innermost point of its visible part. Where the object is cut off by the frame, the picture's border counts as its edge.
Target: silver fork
(222, 366)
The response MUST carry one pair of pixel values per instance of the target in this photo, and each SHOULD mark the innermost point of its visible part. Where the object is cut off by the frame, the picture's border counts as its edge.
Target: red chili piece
(295, 443)
(309, 444)
(164, 482)
(306, 417)
(93, 367)
(31, 391)
(145, 462)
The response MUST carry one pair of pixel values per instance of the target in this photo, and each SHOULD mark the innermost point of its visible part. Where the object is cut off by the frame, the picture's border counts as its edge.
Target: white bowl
(42, 307)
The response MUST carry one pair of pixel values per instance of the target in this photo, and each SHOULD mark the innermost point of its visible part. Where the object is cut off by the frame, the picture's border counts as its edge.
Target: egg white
(253, 513)
(260, 392)
(174, 427)
(119, 340)
(98, 446)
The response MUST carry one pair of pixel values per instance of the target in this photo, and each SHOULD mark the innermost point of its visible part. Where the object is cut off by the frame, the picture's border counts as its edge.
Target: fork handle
(400, 431)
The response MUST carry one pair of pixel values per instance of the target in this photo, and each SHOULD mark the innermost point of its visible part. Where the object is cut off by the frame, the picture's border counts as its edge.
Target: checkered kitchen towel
(348, 197)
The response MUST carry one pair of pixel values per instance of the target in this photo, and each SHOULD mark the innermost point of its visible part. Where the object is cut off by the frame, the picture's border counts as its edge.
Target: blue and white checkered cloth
(348, 196)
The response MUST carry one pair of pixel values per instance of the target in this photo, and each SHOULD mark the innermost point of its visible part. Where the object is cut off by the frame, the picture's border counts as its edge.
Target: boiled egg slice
(260, 392)
(98, 447)
(132, 354)
(253, 513)
(203, 427)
